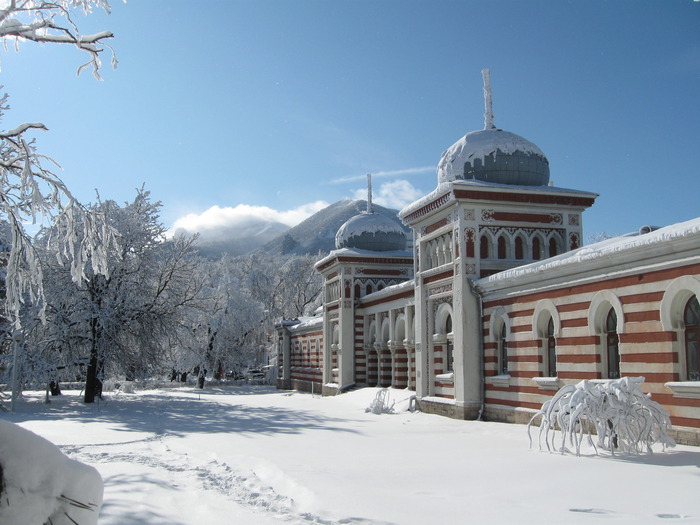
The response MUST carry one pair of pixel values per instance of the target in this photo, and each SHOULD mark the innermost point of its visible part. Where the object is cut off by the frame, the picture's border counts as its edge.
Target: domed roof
(496, 156)
(371, 231)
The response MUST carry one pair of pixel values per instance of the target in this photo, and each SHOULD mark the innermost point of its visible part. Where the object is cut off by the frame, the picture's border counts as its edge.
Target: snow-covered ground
(254, 455)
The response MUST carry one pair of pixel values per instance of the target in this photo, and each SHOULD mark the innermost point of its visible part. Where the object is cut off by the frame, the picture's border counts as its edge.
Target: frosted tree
(29, 185)
(300, 290)
(223, 325)
(121, 321)
(287, 286)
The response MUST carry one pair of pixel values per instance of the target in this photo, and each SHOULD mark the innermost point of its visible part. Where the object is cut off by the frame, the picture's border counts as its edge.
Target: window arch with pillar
(680, 315)
(499, 330)
(606, 321)
(443, 335)
(546, 328)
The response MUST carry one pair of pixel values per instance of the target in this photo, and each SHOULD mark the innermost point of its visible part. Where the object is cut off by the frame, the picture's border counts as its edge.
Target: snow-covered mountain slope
(317, 233)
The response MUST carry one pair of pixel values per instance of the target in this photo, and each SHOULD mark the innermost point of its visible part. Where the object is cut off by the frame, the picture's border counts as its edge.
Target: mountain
(311, 236)
(240, 239)
(317, 233)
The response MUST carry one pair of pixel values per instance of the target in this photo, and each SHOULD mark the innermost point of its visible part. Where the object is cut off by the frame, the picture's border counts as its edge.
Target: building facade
(497, 304)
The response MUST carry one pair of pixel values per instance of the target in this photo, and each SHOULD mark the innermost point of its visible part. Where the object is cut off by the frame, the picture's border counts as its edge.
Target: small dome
(371, 231)
(496, 156)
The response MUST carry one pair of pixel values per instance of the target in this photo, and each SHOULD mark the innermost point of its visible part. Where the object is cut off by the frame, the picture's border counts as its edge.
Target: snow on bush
(40, 485)
(623, 417)
(380, 404)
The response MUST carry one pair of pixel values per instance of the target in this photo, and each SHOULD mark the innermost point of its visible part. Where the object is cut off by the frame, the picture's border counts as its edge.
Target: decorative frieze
(435, 226)
(531, 218)
(445, 288)
(574, 241)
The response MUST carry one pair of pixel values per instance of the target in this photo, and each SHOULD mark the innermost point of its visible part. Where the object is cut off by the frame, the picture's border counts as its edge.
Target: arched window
(612, 345)
(449, 346)
(357, 291)
(368, 289)
(691, 319)
(551, 350)
(502, 350)
(552, 247)
(484, 247)
(519, 252)
(501, 247)
(536, 249)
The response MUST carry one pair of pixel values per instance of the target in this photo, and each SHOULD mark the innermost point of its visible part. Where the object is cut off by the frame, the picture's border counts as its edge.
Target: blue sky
(266, 107)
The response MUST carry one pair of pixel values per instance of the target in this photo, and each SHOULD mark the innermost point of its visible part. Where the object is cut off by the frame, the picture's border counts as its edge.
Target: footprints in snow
(247, 490)
(603, 511)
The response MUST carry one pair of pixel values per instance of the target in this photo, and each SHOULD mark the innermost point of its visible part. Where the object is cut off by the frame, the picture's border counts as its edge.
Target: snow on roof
(369, 223)
(551, 189)
(390, 290)
(445, 187)
(481, 143)
(305, 323)
(356, 252)
(371, 231)
(438, 192)
(642, 239)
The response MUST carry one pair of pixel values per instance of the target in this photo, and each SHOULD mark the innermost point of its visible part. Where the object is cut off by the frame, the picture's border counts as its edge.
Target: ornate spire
(488, 113)
(369, 194)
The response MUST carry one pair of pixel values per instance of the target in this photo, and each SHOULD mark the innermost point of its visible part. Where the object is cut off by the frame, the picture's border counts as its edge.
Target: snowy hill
(317, 233)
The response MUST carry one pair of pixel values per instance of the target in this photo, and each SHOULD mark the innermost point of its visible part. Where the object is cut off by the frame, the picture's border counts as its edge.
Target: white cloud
(217, 218)
(395, 194)
(390, 173)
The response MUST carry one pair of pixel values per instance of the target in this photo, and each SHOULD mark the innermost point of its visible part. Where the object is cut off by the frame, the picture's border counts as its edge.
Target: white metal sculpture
(623, 417)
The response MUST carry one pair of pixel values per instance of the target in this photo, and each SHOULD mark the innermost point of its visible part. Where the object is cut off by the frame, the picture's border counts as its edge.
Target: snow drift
(39, 484)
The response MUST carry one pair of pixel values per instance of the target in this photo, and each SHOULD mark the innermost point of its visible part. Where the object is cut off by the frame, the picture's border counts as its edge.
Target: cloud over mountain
(395, 194)
(218, 221)
(240, 229)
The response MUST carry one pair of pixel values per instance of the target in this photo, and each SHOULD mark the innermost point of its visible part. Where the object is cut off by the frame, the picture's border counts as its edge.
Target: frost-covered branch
(29, 188)
(50, 22)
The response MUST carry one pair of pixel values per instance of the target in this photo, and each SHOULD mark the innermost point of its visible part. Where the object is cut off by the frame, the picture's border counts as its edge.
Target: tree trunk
(55, 388)
(93, 385)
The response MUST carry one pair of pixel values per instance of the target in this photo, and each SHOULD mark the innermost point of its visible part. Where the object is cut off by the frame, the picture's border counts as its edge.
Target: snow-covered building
(498, 304)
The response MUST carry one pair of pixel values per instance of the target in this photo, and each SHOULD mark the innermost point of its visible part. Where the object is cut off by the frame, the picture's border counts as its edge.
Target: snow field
(254, 455)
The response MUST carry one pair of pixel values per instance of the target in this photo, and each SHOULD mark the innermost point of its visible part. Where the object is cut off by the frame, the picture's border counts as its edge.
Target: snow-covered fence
(623, 417)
